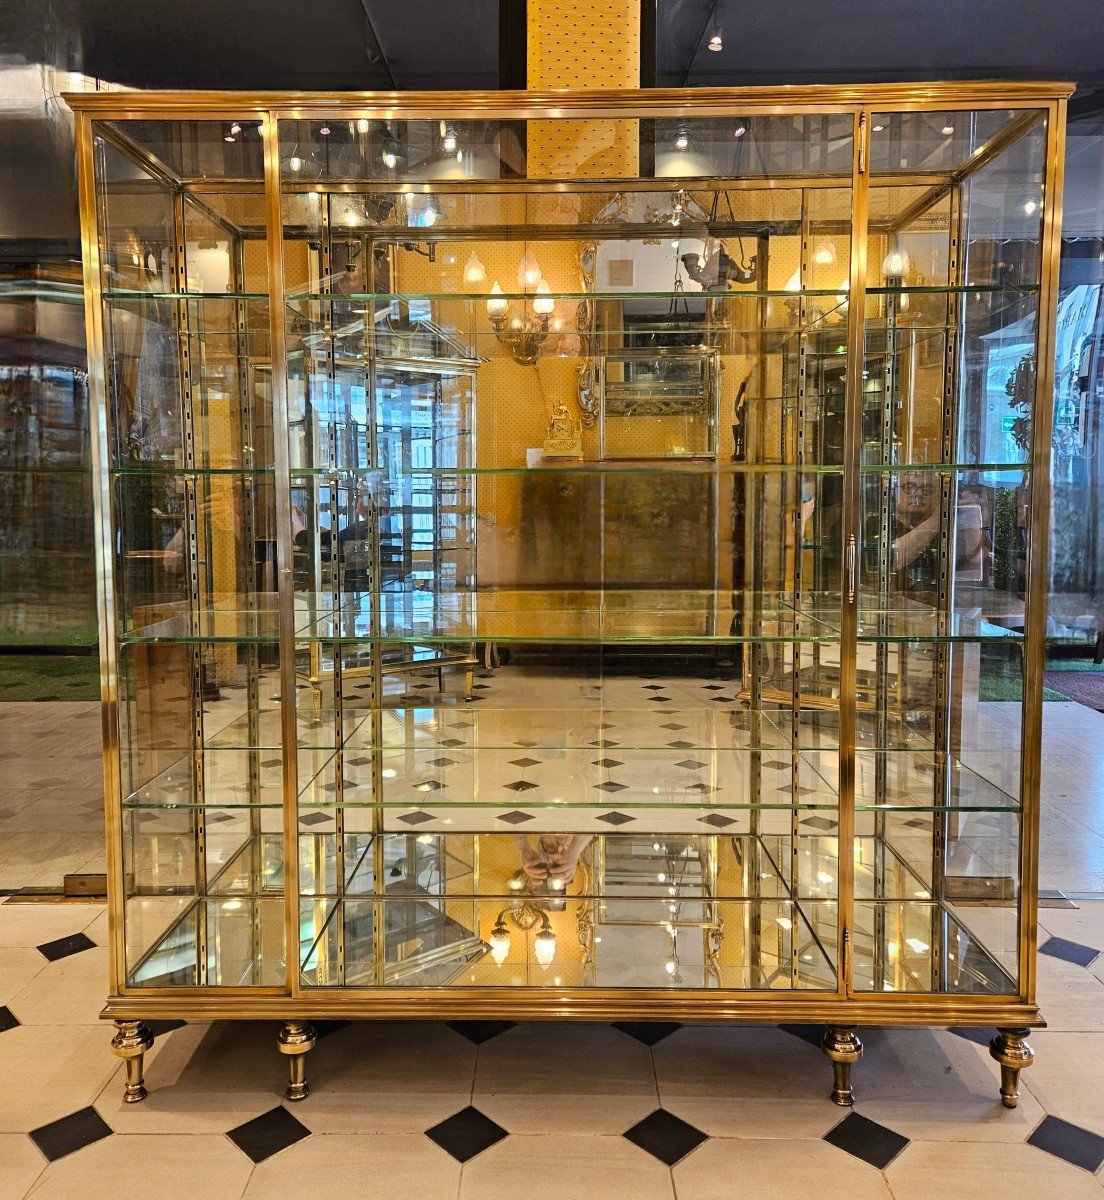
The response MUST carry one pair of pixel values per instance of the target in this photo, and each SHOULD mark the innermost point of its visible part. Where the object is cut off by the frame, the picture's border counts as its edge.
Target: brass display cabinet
(574, 555)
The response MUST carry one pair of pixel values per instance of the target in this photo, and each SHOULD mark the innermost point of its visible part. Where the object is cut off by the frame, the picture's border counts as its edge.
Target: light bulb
(500, 944)
(324, 131)
(1030, 207)
(793, 284)
(362, 125)
(544, 305)
(474, 271)
(497, 305)
(682, 140)
(529, 271)
(544, 947)
(896, 263)
(715, 43)
(448, 142)
(351, 218)
(389, 158)
(670, 966)
(947, 130)
(824, 253)
(739, 131)
(235, 128)
(295, 163)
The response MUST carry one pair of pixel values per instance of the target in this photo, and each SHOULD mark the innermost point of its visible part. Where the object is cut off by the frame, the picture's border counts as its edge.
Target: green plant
(1006, 542)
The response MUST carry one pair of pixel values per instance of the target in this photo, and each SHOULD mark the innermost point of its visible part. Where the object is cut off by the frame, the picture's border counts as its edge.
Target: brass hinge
(852, 567)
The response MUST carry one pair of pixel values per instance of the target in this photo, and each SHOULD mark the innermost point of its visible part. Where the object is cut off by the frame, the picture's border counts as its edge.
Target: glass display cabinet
(576, 556)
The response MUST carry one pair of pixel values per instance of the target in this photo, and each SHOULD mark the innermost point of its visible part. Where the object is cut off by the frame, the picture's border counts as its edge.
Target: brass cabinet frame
(845, 1007)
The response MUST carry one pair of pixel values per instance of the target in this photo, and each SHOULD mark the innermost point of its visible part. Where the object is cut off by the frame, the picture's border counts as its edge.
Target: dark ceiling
(408, 44)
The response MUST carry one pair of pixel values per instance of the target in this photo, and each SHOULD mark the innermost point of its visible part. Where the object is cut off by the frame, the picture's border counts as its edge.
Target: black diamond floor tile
(659, 699)
(866, 1139)
(70, 1133)
(524, 762)
(681, 745)
(268, 1134)
(452, 743)
(431, 785)
(691, 764)
(160, 1028)
(717, 820)
(63, 947)
(323, 1029)
(521, 785)
(316, 818)
(612, 786)
(416, 818)
(1067, 951)
(8, 1019)
(819, 823)
(516, 817)
(651, 1033)
(466, 1134)
(653, 687)
(807, 1033)
(665, 1136)
(979, 1035)
(479, 1032)
(1070, 1143)
(616, 818)
(608, 762)
(441, 762)
(674, 725)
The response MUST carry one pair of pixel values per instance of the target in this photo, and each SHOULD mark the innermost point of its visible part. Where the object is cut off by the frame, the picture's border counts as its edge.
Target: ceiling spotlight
(878, 128)
(739, 131)
(682, 140)
(324, 130)
(947, 130)
(715, 43)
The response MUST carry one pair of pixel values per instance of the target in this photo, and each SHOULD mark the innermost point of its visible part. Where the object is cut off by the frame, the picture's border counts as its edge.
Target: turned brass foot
(296, 1038)
(130, 1043)
(1011, 1050)
(844, 1050)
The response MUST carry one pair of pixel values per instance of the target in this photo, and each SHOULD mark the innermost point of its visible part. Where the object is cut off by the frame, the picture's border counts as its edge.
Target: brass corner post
(843, 1049)
(296, 1038)
(130, 1043)
(1010, 1048)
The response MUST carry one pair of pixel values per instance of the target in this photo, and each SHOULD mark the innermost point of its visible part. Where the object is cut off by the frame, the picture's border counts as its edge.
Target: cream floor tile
(337, 1167)
(20, 1165)
(939, 1170)
(565, 1078)
(167, 1167)
(387, 1077)
(18, 966)
(70, 991)
(1066, 1076)
(32, 924)
(50, 1072)
(1071, 998)
(746, 1082)
(774, 1169)
(565, 1167)
(202, 1079)
(935, 1086)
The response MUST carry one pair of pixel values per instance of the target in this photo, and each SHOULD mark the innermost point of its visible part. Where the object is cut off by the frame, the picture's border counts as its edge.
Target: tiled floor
(483, 1110)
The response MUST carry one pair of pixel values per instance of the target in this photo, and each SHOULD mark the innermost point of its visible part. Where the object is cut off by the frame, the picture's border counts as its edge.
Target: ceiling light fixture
(715, 43)
(474, 271)
(739, 131)
(682, 140)
(947, 130)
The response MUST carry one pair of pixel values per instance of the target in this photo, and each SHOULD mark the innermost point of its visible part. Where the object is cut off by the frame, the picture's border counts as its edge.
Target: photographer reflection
(915, 548)
(552, 863)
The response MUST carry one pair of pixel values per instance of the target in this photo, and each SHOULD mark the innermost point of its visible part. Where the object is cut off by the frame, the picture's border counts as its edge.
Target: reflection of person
(554, 860)
(918, 524)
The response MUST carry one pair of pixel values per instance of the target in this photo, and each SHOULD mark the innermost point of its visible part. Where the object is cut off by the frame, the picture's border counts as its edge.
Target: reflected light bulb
(362, 125)
(500, 944)
(824, 254)
(295, 163)
(544, 305)
(682, 141)
(670, 966)
(474, 271)
(896, 263)
(448, 142)
(715, 43)
(497, 305)
(529, 272)
(793, 284)
(544, 947)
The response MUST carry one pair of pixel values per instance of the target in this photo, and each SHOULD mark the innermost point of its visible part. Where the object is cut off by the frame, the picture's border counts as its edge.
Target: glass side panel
(945, 494)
